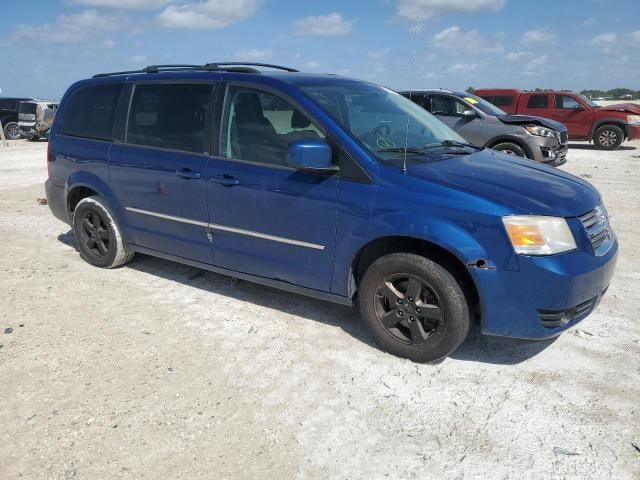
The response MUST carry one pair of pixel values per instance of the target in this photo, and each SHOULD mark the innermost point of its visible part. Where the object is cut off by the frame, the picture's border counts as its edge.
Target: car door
(449, 110)
(158, 171)
(268, 219)
(576, 116)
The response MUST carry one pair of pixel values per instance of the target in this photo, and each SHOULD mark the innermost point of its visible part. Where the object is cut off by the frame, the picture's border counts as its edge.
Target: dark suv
(486, 125)
(9, 108)
(330, 187)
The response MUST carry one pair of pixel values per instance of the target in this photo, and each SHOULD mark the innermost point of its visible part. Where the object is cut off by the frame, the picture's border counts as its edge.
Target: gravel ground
(158, 370)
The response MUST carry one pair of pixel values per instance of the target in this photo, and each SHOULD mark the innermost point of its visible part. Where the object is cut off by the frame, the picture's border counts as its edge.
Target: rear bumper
(546, 296)
(633, 132)
(56, 199)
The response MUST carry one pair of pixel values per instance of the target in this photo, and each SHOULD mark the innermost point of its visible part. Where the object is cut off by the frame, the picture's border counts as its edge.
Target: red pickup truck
(607, 127)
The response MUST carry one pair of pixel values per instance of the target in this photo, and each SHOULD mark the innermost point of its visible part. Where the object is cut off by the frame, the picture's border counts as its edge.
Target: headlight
(541, 131)
(537, 235)
(633, 119)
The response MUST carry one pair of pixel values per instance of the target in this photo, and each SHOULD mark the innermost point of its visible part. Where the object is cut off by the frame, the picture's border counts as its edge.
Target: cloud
(536, 66)
(312, 65)
(139, 59)
(124, 4)
(207, 14)
(109, 44)
(74, 28)
(635, 36)
(604, 40)
(421, 9)
(538, 37)
(378, 54)
(453, 38)
(254, 55)
(516, 56)
(462, 67)
(323, 25)
(590, 22)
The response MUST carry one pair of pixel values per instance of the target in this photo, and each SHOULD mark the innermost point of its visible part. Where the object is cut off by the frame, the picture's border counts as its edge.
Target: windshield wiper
(409, 150)
(452, 143)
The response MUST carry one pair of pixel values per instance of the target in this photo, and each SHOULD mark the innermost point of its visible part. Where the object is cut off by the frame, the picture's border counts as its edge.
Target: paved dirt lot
(158, 370)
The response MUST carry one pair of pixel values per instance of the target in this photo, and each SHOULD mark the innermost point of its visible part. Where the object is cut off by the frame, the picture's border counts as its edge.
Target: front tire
(510, 149)
(98, 236)
(414, 307)
(608, 137)
(12, 131)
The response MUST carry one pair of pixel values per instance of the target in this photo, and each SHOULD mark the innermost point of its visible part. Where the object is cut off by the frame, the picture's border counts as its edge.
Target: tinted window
(258, 127)
(538, 101)
(8, 105)
(90, 112)
(500, 100)
(169, 116)
(565, 102)
(446, 106)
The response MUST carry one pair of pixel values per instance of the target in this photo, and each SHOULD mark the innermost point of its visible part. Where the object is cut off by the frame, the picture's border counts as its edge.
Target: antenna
(412, 59)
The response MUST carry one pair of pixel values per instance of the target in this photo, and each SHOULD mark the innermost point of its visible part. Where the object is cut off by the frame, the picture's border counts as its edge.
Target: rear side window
(170, 116)
(8, 105)
(538, 101)
(90, 112)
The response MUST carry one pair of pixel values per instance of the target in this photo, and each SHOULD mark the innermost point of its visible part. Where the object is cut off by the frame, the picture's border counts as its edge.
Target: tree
(470, 90)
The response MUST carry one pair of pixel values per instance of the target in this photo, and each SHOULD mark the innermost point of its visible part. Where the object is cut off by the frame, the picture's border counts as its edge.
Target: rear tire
(608, 137)
(510, 149)
(12, 131)
(98, 236)
(414, 307)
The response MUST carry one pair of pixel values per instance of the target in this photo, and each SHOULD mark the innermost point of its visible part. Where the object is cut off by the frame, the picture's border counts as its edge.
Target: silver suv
(485, 125)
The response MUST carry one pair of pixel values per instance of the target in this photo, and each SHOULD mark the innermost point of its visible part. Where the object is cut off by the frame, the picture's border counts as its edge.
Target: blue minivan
(330, 187)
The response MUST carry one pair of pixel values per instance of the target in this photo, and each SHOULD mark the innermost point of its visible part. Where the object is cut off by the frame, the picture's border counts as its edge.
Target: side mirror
(578, 107)
(468, 113)
(310, 154)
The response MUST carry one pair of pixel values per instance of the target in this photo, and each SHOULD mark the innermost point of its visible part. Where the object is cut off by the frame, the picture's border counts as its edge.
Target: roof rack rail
(243, 67)
(251, 64)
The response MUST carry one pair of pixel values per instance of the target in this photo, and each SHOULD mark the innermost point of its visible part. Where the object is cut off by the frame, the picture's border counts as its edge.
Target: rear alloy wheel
(414, 307)
(608, 137)
(98, 237)
(12, 131)
(510, 149)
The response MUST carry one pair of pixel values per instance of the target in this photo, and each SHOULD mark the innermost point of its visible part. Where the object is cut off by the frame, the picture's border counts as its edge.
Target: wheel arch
(378, 247)
(84, 184)
(505, 138)
(608, 121)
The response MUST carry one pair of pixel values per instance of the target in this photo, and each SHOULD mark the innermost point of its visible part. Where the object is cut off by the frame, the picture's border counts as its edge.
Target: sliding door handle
(188, 174)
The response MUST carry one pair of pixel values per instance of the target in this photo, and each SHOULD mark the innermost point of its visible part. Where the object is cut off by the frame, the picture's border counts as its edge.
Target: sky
(46, 45)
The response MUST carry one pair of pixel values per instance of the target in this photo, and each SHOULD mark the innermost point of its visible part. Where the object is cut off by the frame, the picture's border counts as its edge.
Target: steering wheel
(378, 136)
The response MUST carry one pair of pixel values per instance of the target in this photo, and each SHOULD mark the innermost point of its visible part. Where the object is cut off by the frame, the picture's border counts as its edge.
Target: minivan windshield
(481, 104)
(382, 120)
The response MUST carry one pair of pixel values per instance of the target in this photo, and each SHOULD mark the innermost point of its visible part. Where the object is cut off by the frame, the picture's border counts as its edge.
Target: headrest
(298, 120)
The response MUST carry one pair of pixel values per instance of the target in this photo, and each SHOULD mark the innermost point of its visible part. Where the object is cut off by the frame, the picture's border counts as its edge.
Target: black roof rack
(243, 67)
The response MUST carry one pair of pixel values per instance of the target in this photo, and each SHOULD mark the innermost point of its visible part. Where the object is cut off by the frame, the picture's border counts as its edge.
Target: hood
(515, 182)
(632, 108)
(529, 119)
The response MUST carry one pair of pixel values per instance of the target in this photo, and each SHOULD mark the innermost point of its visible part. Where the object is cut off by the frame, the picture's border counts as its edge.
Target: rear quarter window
(90, 112)
(538, 101)
(500, 100)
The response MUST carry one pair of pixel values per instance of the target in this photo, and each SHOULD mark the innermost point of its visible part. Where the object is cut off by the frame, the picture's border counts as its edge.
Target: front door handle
(226, 180)
(188, 174)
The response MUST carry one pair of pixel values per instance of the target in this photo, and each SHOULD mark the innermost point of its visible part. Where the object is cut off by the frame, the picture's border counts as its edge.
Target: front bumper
(633, 132)
(548, 150)
(546, 296)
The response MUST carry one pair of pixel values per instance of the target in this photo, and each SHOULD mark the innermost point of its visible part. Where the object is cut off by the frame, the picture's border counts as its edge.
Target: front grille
(559, 318)
(597, 227)
(563, 137)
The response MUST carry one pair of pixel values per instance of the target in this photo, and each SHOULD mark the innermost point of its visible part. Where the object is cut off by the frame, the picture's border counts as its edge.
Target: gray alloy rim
(12, 131)
(95, 235)
(408, 309)
(608, 138)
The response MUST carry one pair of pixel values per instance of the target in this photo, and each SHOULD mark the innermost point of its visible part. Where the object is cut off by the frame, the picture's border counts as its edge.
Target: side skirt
(280, 285)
